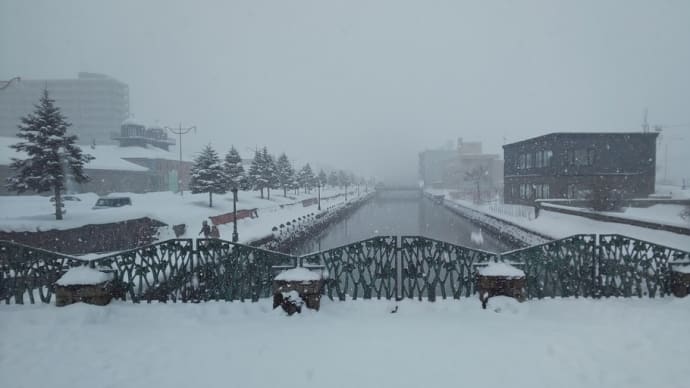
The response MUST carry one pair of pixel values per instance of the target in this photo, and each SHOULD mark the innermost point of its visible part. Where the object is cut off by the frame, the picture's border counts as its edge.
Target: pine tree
(323, 178)
(285, 173)
(233, 168)
(306, 177)
(208, 175)
(269, 171)
(343, 179)
(53, 156)
(333, 179)
(255, 177)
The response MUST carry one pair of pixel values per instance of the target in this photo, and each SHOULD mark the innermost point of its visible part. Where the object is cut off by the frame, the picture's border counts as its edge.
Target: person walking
(205, 229)
(215, 233)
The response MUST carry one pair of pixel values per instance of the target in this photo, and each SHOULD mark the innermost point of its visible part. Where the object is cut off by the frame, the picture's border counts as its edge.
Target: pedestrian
(205, 229)
(214, 232)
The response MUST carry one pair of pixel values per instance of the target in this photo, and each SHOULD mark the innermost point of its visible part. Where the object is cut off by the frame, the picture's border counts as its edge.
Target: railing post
(398, 269)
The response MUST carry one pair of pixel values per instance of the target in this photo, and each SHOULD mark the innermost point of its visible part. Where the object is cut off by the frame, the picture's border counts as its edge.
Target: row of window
(530, 191)
(538, 159)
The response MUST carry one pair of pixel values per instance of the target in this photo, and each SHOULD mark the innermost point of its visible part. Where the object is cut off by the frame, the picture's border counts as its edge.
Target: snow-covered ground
(559, 225)
(548, 343)
(29, 213)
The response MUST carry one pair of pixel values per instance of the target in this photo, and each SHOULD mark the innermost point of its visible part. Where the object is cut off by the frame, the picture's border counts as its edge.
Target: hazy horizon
(366, 86)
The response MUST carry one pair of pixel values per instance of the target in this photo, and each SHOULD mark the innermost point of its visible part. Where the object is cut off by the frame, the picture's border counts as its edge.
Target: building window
(528, 161)
(547, 158)
(521, 162)
(539, 159)
(581, 157)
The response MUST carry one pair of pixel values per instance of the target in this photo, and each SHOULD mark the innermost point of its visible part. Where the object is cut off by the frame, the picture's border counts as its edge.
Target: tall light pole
(235, 237)
(7, 83)
(318, 184)
(180, 131)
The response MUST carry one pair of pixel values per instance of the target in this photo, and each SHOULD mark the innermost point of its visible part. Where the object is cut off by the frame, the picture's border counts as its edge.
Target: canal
(397, 213)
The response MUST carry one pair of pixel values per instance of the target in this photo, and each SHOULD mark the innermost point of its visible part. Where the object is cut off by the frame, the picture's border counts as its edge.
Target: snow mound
(477, 237)
(501, 269)
(298, 274)
(506, 305)
(83, 275)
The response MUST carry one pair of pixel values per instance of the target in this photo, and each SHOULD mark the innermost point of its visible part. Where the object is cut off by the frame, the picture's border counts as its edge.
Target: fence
(382, 267)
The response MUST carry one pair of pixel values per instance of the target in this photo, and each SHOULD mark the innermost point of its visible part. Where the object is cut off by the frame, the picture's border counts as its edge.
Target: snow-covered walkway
(547, 343)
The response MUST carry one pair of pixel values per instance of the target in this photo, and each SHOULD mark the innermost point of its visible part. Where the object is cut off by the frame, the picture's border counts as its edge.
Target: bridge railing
(381, 267)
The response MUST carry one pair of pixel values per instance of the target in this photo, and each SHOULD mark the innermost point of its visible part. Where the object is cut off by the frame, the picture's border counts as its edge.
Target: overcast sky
(366, 85)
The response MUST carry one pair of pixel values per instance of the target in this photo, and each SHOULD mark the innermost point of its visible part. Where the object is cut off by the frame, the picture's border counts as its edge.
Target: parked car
(66, 198)
(105, 203)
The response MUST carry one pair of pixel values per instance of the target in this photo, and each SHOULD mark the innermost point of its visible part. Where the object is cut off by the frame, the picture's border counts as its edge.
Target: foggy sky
(366, 85)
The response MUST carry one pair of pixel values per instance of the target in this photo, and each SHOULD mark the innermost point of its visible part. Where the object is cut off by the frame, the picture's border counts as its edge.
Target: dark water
(401, 213)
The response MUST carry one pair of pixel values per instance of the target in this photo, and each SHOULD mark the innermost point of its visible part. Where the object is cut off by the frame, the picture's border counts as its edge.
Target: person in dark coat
(205, 229)
(215, 233)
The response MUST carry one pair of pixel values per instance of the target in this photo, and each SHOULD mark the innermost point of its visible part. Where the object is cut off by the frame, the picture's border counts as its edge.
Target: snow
(558, 225)
(298, 274)
(542, 343)
(31, 213)
(477, 237)
(681, 268)
(501, 269)
(83, 275)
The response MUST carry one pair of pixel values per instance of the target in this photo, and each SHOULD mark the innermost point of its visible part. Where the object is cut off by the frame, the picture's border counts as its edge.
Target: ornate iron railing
(381, 267)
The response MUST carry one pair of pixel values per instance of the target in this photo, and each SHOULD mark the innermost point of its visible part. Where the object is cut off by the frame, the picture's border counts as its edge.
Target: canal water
(398, 213)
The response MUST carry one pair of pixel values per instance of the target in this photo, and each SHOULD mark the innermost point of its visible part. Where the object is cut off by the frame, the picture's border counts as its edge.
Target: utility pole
(180, 131)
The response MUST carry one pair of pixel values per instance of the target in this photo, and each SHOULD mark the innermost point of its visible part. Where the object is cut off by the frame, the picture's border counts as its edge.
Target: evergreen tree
(306, 177)
(323, 178)
(333, 179)
(269, 171)
(53, 156)
(233, 168)
(256, 176)
(285, 173)
(207, 175)
(343, 179)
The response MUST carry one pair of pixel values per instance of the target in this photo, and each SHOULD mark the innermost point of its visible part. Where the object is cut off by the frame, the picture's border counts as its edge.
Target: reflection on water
(402, 213)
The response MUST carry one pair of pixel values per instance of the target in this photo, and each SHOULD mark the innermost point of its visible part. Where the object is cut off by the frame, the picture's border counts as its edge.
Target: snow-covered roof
(107, 157)
(501, 269)
(132, 121)
(298, 274)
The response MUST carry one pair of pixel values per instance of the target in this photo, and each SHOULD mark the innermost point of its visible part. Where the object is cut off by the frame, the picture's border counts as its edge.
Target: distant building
(453, 169)
(571, 165)
(134, 134)
(95, 104)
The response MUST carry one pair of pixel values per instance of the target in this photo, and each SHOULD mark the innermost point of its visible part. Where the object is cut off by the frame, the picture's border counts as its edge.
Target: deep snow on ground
(32, 212)
(558, 225)
(547, 343)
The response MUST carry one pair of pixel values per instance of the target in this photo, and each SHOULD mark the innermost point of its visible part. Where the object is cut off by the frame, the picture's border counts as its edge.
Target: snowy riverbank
(541, 343)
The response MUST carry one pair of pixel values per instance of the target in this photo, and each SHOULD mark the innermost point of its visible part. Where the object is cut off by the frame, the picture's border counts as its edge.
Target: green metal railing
(385, 267)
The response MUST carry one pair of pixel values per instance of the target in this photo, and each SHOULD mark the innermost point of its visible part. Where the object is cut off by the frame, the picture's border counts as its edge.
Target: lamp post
(180, 131)
(235, 237)
(7, 83)
(318, 185)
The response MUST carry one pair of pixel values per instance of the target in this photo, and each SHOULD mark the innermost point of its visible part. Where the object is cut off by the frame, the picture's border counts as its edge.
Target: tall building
(95, 104)
(573, 165)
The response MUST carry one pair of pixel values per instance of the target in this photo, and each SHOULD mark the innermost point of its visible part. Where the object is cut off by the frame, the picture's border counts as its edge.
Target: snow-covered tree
(285, 173)
(233, 168)
(270, 171)
(343, 179)
(52, 155)
(323, 178)
(208, 175)
(306, 177)
(333, 179)
(255, 176)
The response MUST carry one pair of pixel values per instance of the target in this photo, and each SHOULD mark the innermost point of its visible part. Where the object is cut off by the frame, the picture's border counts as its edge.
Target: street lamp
(180, 131)
(235, 237)
(7, 83)
(318, 185)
